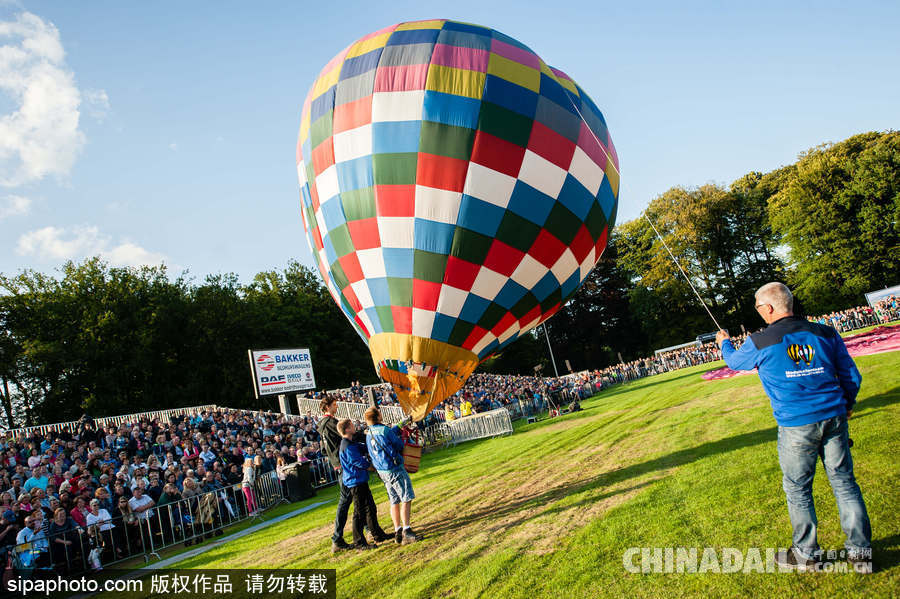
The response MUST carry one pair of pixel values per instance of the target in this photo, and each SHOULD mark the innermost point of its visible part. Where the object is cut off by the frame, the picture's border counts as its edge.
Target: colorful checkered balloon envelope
(455, 191)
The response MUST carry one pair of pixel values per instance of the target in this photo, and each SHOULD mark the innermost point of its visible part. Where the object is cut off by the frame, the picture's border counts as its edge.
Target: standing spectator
(386, 453)
(282, 474)
(812, 383)
(247, 485)
(101, 527)
(66, 544)
(332, 441)
(465, 408)
(355, 466)
(32, 539)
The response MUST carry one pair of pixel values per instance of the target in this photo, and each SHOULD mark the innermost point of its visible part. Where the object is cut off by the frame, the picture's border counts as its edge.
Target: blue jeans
(799, 448)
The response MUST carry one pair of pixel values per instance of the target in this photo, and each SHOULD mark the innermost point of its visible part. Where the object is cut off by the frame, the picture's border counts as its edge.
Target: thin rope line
(686, 278)
(608, 157)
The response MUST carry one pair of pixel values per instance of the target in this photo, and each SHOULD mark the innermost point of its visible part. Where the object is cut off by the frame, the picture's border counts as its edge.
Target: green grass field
(668, 461)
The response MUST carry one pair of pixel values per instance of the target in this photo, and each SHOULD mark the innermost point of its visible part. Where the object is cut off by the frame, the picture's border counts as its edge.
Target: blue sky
(167, 131)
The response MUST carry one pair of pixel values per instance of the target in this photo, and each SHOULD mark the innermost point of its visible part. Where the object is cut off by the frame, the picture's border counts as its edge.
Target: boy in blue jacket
(386, 452)
(355, 466)
(812, 384)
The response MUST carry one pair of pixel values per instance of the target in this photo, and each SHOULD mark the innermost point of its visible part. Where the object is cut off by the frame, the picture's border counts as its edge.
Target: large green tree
(839, 216)
(722, 240)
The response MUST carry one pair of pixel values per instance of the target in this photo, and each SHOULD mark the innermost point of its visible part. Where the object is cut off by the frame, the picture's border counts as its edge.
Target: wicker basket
(412, 449)
(412, 454)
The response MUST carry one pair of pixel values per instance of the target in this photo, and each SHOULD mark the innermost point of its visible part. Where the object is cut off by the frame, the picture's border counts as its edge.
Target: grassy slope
(671, 460)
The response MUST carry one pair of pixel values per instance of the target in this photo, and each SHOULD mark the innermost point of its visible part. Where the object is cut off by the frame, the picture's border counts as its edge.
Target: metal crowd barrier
(322, 473)
(188, 520)
(522, 407)
(478, 426)
(44, 429)
(354, 411)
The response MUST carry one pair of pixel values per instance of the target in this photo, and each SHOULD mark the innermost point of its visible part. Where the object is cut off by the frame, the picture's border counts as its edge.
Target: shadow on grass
(877, 401)
(886, 552)
(605, 479)
(873, 405)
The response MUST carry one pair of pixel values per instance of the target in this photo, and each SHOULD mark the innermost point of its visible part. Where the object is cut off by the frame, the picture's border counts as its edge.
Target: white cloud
(130, 254)
(57, 243)
(49, 243)
(13, 205)
(41, 135)
(173, 146)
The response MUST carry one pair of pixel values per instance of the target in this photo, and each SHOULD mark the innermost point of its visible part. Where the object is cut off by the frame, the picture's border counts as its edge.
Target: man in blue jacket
(355, 466)
(812, 384)
(386, 451)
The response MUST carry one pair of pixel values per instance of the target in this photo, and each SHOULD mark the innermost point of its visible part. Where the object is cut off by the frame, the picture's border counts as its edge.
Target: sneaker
(789, 559)
(398, 536)
(382, 537)
(860, 564)
(409, 536)
(340, 545)
(365, 546)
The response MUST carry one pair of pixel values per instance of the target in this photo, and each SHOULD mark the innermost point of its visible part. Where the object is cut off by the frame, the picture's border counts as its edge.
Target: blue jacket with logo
(385, 447)
(354, 463)
(804, 368)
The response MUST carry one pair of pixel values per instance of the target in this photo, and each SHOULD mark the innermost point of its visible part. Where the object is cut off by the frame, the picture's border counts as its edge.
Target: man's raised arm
(744, 358)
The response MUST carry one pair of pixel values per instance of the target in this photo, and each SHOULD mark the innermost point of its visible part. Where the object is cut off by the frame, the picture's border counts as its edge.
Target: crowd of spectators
(356, 393)
(85, 487)
(884, 310)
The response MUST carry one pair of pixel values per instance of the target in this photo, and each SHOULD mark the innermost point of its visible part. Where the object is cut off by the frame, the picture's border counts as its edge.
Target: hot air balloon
(455, 192)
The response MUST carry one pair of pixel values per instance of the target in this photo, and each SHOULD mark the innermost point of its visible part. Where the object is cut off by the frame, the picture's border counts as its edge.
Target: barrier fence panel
(69, 550)
(105, 421)
(478, 426)
(322, 473)
(354, 411)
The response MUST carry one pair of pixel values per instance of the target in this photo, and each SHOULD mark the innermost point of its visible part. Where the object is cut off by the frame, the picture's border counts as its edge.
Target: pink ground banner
(877, 341)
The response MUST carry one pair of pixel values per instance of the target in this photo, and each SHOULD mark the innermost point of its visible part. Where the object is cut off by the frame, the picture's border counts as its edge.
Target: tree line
(109, 341)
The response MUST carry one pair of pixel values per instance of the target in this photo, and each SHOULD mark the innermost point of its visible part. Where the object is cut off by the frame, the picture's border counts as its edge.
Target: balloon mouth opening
(422, 372)
(416, 373)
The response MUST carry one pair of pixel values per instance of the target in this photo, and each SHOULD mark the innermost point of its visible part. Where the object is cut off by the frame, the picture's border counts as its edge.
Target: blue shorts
(398, 485)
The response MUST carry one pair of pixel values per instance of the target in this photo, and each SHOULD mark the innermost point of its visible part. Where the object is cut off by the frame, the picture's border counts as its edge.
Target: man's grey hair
(776, 294)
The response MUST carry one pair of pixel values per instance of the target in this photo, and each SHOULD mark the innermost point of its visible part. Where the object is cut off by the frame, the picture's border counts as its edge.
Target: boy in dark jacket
(355, 466)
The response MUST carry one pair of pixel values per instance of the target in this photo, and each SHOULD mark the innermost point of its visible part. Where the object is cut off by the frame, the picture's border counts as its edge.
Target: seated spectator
(32, 545)
(79, 512)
